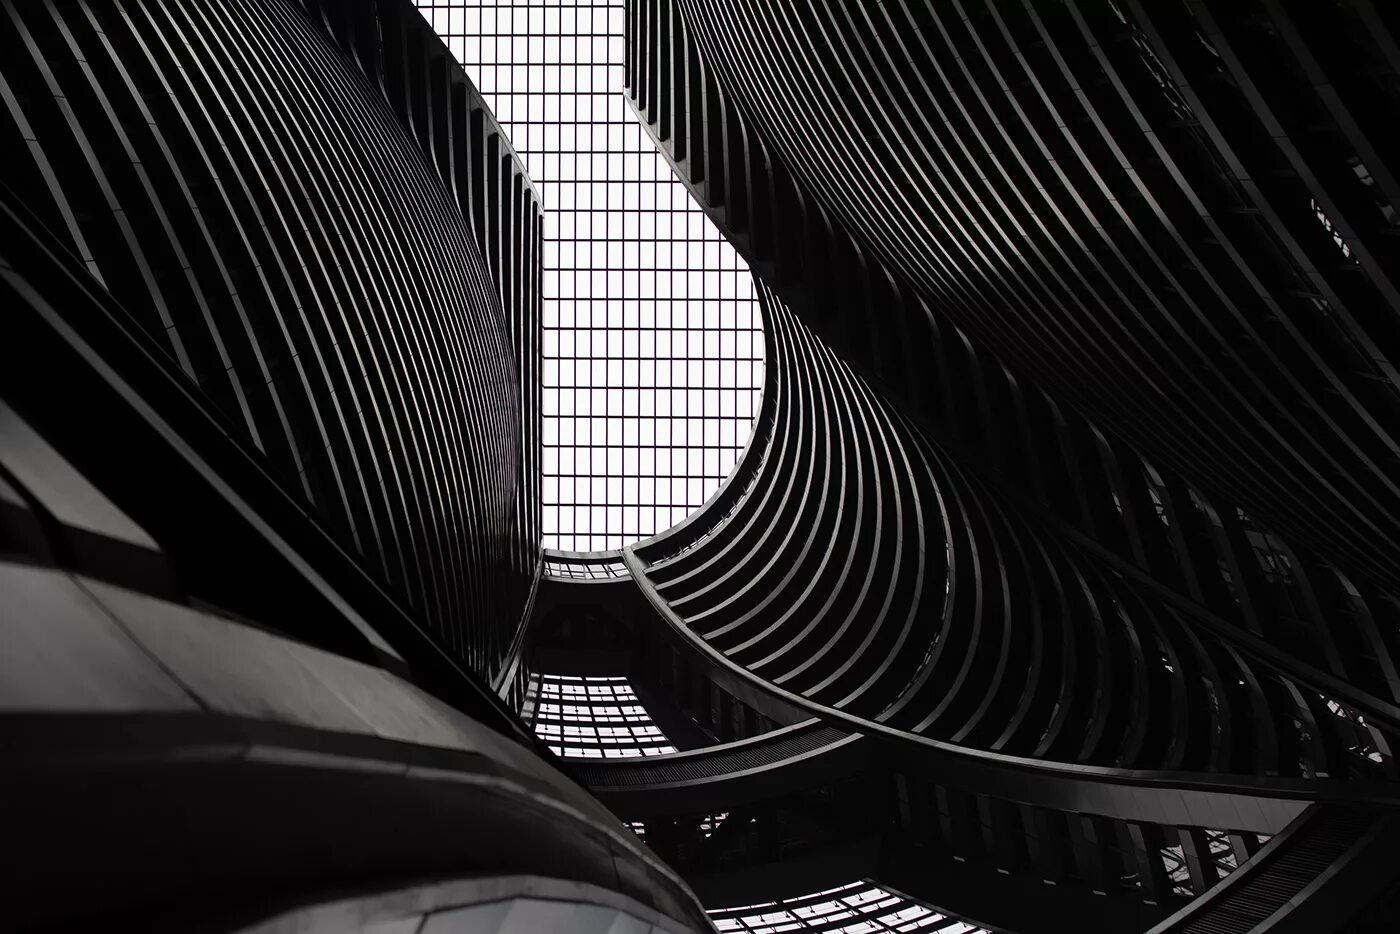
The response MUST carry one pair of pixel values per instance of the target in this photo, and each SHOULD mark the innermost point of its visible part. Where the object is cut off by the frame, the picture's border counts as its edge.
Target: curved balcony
(1178, 221)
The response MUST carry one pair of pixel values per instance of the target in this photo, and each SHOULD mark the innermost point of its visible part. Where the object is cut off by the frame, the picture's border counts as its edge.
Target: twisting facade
(1056, 589)
(1065, 549)
(333, 247)
(269, 486)
(1191, 201)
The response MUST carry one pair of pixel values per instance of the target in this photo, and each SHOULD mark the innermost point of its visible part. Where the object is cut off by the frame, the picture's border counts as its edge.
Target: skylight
(595, 718)
(854, 908)
(653, 343)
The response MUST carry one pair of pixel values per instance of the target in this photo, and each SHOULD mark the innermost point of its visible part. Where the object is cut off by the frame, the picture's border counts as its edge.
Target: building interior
(676, 466)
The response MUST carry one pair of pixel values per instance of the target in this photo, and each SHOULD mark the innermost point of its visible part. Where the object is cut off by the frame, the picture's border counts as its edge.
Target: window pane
(626, 248)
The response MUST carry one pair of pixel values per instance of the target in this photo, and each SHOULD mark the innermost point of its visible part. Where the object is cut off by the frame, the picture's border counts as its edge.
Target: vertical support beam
(1147, 842)
(1244, 846)
(1095, 852)
(1195, 847)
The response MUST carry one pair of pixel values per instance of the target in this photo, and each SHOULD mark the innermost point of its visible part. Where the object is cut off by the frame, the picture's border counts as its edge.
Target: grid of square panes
(584, 570)
(653, 344)
(856, 908)
(595, 718)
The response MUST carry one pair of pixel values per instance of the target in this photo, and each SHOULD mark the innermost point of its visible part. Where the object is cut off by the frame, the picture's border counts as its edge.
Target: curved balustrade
(868, 573)
(1075, 501)
(1177, 219)
(745, 772)
(1316, 607)
(1016, 757)
(1086, 745)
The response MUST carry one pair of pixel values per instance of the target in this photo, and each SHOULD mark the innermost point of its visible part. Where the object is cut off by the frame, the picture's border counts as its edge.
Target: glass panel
(854, 908)
(653, 342)
(595, 718)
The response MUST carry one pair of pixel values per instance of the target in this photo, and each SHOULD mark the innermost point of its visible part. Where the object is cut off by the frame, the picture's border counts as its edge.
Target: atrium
(678, 466)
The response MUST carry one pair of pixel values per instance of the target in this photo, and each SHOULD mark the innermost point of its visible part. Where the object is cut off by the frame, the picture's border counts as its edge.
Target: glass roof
(653, 343)
(855, 908)
(595, 718)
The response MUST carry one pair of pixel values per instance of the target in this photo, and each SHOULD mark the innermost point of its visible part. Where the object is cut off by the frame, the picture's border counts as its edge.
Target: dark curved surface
(743, 773)
(170, 767)
(709, 762)
(1194, 202)
(591, 618)
(268, 511)
(1078, 498)
(1291, 603)
(266, 562)
(178, 820)
(1089, 820)
(488, 905)
(966, 816)
(1320, 873)
(1032, 652)
(313, 218)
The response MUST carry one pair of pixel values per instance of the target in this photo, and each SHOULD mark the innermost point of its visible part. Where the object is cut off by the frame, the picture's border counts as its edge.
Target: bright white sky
(653, 344)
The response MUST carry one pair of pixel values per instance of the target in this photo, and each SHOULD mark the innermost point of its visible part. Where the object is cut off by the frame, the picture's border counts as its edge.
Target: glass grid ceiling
(855, 908)
(653, 344)
(595, 718)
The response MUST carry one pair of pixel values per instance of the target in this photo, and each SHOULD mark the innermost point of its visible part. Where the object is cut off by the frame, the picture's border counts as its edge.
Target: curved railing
(1000, 637)
(1315, 610)
(1177, 220)
(314, 219)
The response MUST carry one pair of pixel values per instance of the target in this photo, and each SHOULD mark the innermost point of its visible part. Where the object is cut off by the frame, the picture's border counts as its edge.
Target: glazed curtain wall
(313, 216)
